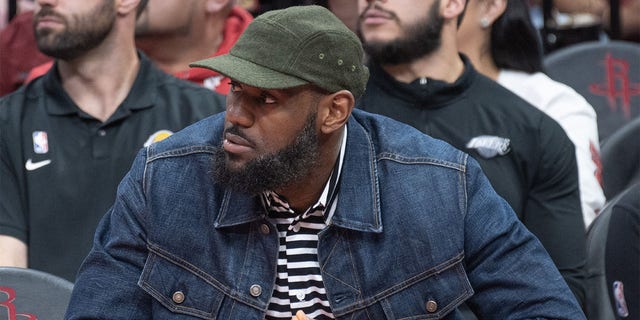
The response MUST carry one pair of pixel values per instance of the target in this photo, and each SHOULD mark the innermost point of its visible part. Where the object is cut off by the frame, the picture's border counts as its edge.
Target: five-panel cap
(293, 47)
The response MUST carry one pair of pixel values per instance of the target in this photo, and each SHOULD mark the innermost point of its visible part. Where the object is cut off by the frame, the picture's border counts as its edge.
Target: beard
(82, 33)
(419, 39)
(273, 171)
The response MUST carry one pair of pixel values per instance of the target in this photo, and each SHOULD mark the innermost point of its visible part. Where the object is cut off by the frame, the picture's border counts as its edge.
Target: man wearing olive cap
(292, 202)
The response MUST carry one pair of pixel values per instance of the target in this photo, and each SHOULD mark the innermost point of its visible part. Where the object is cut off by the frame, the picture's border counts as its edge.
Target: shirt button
(178, 297)
(432, 306)
(102, 133)
(300, 295)
(255, 290)
(264, 228)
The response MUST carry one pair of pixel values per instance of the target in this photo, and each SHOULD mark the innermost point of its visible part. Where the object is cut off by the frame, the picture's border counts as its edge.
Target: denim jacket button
(264, 228)
(255, 290)
(178, 297)
(432, 306)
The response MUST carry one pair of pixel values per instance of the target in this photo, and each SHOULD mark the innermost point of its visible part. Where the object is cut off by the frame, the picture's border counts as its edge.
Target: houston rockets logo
(617, 85)
(10, 308)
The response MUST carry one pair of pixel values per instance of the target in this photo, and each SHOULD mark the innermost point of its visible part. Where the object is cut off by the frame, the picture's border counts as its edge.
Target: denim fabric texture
(417, 231)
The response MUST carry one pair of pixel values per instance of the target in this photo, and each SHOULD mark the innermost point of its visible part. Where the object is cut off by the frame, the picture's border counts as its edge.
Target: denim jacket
(417, 231)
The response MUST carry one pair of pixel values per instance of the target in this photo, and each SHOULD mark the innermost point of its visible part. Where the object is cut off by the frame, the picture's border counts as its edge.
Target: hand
(300, 316)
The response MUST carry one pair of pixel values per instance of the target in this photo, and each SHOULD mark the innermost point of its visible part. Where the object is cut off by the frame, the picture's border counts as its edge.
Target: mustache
(377, 7)
(235, 130)
(47, 11)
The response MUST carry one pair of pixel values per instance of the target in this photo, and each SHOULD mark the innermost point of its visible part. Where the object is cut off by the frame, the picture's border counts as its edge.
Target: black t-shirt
(60, 167)
(526, 155)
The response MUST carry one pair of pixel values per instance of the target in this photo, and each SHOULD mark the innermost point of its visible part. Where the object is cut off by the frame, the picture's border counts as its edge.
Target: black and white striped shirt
(299, 283)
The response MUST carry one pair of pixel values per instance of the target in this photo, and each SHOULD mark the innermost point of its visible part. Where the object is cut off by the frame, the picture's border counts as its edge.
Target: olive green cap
(292, 47)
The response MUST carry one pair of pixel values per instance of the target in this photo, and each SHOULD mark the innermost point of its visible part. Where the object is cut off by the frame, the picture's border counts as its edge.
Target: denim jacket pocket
(180, 287)
(432, 294)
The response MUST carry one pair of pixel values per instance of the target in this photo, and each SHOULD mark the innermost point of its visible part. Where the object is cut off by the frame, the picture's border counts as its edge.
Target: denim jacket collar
(358, 199)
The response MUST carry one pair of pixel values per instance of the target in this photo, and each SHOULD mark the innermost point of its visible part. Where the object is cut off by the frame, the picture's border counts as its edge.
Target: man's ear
(451, 9)
(493, 9)
(335, 110)
(124, 7)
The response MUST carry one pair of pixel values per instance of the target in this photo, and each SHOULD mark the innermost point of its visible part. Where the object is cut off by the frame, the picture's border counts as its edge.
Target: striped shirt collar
(327, 199)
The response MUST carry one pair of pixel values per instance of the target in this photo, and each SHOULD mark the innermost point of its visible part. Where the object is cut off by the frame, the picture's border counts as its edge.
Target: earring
(484, 22)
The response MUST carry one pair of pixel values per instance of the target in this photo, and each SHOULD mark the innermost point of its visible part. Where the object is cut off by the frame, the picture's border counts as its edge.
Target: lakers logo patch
(158, 136)
(490, 146)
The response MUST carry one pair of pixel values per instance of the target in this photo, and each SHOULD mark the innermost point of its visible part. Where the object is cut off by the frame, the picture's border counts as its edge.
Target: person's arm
(13, 252)
(553, 211)
(106, 286)
(13, 225)
(509, 270)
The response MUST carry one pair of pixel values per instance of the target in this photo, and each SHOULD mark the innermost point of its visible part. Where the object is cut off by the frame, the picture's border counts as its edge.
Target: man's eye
(234, 86)
(267, 99)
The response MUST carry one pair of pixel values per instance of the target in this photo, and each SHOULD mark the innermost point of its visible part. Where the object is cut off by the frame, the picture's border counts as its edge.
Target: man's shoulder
(539, 135)
(492, 94)
(392, 137)
(25, 100)
(494, 98)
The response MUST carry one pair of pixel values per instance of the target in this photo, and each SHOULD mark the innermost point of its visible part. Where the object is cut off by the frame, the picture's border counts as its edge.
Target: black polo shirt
(60, 167)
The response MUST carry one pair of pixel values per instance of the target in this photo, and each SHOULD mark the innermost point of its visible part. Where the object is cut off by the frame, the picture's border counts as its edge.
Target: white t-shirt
(578, 119)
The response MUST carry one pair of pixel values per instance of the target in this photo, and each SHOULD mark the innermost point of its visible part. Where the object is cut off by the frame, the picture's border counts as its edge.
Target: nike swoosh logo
(30, 166)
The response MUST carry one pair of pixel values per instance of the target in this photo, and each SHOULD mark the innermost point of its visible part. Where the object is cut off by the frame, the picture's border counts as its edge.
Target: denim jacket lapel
(359, 195)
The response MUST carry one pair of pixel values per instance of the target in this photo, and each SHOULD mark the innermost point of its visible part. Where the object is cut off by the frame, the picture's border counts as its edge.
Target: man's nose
(238, 113)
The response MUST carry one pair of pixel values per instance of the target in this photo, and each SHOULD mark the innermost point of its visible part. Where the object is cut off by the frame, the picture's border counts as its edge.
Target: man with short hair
(292, 202)
(173, 33)
(418, 77)
(67, 138)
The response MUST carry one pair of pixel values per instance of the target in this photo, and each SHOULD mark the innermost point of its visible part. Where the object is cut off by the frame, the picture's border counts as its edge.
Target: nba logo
(40, 142)
(618, 296)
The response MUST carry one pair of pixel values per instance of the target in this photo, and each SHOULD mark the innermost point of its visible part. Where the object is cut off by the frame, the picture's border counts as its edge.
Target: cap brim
(247, 72)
